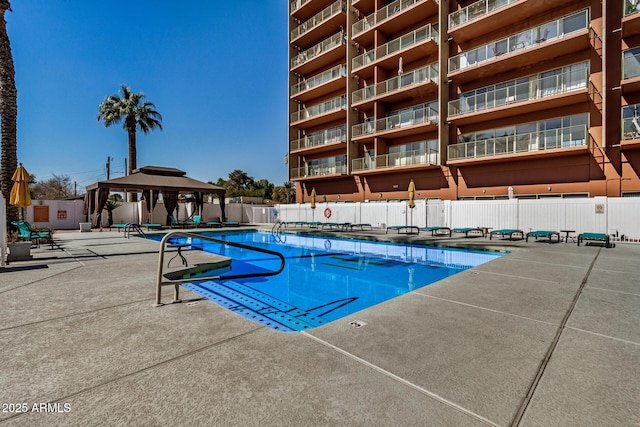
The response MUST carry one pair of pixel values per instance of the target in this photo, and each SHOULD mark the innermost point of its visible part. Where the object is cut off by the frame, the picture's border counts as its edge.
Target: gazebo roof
(157, 178)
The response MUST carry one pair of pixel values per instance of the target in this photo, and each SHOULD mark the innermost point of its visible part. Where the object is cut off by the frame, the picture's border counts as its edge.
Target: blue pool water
(324, 279)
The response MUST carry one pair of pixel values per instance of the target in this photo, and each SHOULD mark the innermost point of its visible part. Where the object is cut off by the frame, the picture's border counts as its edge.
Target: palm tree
(137, 114)
(9, 113)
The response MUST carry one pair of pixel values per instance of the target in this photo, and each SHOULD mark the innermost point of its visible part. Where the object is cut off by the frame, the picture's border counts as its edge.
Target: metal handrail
(176, 282)
(133, 227)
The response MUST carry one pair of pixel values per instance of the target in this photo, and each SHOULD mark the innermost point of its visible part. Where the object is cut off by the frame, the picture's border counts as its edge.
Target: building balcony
(325, 112)
(398, 125)
(305, 9)
(364, 5)
(415, 45)
(630, 18)
(321, 55)
(630, 71)
(554, 142)
(416, 159)
(536, 94)
(326, 82)
(325, 140)
(485, 16)
(552, 39)
(321, 25)
(331, 168)
(392, 19)
(631, 129)
(423, 80)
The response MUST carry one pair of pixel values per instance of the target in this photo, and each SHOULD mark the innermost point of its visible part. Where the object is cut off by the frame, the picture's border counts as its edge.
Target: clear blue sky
(216, 71)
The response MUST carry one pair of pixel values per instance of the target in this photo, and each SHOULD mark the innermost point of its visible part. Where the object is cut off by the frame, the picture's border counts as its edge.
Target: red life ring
(327, 213)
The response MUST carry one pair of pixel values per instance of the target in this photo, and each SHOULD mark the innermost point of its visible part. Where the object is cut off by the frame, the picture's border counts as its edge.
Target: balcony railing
(520, 92)
(317, 80)
(631, 64)
(420, 75)
(631, 127)
(429, 31)
(327, 136)
(631, 7)
(396, 121)
(568, 137)
(319, 18)
(521, 41)
(296, 4)
(386, 12)
(426, 156)
(339, 103)
(317, 50)
(476, 10)
(333, 167)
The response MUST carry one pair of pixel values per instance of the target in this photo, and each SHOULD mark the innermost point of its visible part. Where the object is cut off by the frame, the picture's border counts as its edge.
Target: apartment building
(471, 100)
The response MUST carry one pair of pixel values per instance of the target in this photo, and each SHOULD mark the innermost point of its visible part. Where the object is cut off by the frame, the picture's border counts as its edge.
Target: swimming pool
(324, 279)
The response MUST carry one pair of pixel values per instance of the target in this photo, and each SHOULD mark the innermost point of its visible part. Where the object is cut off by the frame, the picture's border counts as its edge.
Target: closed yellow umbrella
(313, 198)
(20, 195)
(412, 193)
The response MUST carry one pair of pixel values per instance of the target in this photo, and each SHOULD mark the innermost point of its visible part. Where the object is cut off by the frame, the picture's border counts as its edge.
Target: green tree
(263, 188)
(134, 112)
(285, 193)
(8, 112)
(239, 180)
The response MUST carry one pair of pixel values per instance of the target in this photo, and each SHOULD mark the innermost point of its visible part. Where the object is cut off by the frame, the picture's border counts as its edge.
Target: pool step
(255, 305)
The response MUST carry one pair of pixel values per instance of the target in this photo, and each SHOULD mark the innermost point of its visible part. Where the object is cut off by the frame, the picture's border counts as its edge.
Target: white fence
(616, 216)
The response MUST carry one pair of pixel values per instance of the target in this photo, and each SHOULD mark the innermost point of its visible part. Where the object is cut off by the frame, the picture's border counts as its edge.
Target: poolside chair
(231, 224)
(26, 232)
(408, 229)
(193, 222)
(543, 233)
(360, 226)
(213, 224)
(437, 230)
(595, 237)
(506, 232)
(467, 230)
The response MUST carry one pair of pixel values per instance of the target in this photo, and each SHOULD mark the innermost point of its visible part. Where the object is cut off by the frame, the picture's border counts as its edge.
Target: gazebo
(151, 181)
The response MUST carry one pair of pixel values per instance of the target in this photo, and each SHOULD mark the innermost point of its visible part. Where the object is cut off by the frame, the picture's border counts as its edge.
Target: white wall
(597, 215)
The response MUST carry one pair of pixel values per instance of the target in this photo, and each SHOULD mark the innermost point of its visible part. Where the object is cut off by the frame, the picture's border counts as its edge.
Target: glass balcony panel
(337, 7)
(395, 45)
(318, 49)
(548, 31)
(381, 15)
(475, 11)
(631, 7)
(319, 109)
(631, 63)
(566, 137)
(317, 80)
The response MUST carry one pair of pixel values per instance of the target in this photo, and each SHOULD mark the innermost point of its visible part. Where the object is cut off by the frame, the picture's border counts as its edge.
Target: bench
(437, 230)
(399, 228)
(595, 237)
(506, 232)
(467, 230)
(543, 233)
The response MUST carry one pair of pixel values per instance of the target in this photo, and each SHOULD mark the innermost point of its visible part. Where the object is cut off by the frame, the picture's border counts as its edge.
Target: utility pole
(108, 166)
(75, 188)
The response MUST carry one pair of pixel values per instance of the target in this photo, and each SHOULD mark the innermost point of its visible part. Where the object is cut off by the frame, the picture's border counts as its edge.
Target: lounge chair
(595, 237)
(437, 230)
(213, 224)
(26, 232)
(360, 226)
(506, 232)
(193, 222)
(173, 222)
(400, 228)
(467, 230)
(543, 233)
(118, 226)
(231, 224)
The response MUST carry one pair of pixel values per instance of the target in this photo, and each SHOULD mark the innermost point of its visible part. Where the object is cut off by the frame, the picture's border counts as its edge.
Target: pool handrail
(176, 282)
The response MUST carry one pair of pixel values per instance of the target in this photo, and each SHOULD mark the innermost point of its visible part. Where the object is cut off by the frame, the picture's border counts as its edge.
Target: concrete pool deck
(548, 335)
